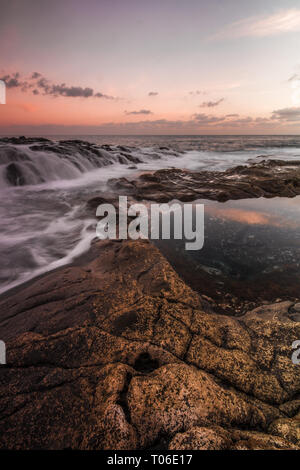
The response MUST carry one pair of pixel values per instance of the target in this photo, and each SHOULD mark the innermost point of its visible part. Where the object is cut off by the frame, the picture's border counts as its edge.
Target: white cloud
(284, 21)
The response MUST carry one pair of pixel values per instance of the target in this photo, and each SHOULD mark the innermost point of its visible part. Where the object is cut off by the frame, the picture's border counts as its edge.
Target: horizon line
(147, 135)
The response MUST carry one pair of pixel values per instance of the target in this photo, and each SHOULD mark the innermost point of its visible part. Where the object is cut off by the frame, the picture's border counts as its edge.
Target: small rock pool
(251, 253)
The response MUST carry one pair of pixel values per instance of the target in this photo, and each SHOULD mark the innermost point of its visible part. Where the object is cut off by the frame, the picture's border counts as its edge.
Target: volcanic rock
(117, 352)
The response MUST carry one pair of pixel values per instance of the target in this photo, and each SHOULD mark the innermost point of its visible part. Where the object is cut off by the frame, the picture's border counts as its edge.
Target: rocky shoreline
(268, 178)
(117, 352)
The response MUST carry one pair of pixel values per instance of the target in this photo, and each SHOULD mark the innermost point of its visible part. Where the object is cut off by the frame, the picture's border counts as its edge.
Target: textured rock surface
(119, 353)
(217, 438)
(268, 179)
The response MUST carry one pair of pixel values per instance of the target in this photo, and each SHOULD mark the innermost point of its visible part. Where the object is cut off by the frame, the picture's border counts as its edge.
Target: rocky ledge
(268, 178)
(117, 352)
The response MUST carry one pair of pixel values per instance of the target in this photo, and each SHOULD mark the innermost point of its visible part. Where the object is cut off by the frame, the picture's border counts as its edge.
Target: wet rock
(97, 155)
(277, 311)
(10, 154)
(132, 158)
(123, 148)
(265, 179)
(23, 140)
(14, 175)
(102, 198)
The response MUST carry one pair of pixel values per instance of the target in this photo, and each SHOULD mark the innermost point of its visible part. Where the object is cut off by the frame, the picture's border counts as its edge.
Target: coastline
(127, 319)
(130, 357)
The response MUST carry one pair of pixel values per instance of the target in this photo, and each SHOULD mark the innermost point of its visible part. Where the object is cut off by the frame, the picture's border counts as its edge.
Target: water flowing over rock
(30, 161)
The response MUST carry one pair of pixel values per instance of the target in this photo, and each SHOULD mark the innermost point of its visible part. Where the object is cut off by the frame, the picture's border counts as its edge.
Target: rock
(10, 154)
(291, 408)
(14, 175)
(265, 179)
(96, 156)
(249, 440)
(23, 140)
(130, 357)
(201, 438)
(276, 312)
(287, 428)
(178, 396)
(101, 198)
(217, 438)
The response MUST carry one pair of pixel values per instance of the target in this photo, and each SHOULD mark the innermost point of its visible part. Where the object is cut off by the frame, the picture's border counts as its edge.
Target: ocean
(44, 187)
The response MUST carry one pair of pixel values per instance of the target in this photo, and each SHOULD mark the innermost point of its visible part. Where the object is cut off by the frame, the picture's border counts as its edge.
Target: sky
(150, 67)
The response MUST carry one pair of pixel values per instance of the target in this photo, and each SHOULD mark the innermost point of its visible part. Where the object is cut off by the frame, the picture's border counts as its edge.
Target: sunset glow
(160, 67)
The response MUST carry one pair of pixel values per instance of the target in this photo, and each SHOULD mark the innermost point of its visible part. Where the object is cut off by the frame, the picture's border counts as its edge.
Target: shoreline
(128, 320)
(222, 188)
(130, 357)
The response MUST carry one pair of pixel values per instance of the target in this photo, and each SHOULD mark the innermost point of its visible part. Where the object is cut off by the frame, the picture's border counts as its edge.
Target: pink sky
(160, 67)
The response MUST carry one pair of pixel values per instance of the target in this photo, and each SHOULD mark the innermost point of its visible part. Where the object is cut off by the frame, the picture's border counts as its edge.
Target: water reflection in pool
(251, 252)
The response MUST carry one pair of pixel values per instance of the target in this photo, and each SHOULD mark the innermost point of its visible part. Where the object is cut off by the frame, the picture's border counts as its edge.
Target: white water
(45, 223)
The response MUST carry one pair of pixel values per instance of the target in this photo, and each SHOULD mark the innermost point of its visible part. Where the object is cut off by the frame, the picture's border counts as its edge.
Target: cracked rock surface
(117, 352)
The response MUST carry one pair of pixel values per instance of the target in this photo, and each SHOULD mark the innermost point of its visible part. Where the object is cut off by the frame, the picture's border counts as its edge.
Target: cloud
(35, 75)
(197, 92)
(152, 93)
(198, 123)
(283, 21)
(211, 104)
(12, 81)
(38, 84)
(155, 126)
(141, 111)
(63, 90)
(207, 119)
(287, 114)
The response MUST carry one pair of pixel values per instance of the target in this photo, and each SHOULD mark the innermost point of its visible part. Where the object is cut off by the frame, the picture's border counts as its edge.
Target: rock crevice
(131, 357)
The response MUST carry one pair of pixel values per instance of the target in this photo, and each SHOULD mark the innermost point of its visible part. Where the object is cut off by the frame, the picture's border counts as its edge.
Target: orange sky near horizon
(164, 68)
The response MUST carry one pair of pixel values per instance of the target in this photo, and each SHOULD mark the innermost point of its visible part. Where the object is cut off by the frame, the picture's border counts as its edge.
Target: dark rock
(145, 363)
(10, 154)
(266, 179)
(102, 198)
(23, 140)
(14, 175)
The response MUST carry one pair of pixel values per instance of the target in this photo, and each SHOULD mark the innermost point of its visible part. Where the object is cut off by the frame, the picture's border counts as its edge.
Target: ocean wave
(45, 184)
(30, 163)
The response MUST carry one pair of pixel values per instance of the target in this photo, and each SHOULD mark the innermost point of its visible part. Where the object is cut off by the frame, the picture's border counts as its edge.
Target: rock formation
(117, 352)
(265, 179)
